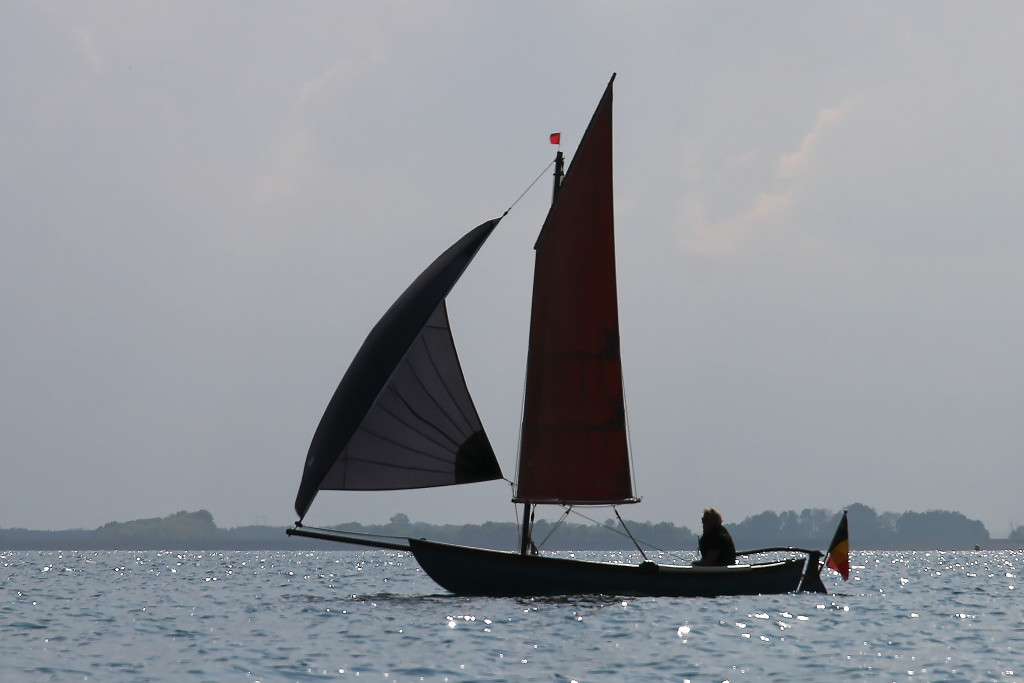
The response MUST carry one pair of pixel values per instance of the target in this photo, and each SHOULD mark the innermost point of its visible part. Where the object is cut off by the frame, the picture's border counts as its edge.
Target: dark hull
(476, 571)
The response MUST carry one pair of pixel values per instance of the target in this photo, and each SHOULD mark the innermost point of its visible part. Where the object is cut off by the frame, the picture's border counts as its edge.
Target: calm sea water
(374, 616)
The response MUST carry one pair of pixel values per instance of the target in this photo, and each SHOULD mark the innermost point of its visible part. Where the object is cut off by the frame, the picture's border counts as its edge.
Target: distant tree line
(813, 528)
(177, 528)
(181, 530)
(809, 528)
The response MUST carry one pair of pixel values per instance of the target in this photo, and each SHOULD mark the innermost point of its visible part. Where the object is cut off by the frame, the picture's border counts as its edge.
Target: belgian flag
(839, 550)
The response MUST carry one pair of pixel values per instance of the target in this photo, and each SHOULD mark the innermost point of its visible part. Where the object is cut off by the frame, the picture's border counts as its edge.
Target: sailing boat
(402, 416)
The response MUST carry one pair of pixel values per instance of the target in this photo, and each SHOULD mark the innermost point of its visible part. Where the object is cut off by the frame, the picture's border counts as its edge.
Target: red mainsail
(574, 447)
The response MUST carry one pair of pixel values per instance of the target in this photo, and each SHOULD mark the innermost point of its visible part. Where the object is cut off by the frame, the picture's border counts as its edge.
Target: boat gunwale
(604, 564)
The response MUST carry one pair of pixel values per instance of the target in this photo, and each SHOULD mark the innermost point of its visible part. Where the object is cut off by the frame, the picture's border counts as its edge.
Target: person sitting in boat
(716, 546)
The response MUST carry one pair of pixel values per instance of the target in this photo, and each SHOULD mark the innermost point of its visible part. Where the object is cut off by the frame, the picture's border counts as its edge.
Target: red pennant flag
(839, 550)
(556, 138)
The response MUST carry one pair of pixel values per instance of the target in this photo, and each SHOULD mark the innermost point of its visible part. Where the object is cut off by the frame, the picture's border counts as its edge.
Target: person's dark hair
(712, 515)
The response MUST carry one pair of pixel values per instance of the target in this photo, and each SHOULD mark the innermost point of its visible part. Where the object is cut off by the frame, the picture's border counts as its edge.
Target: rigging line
(515, 508)
(519, 441)
(629, 439)
(614, 530)
(631, 537)
(554, 527)
(530, 187)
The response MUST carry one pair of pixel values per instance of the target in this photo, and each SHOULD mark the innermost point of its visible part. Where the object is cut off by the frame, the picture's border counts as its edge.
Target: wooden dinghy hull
(465, 570)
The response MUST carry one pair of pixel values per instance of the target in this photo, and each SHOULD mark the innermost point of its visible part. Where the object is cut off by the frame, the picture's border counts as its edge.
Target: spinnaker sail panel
(402, 416)
(574, 447)
(423, 430)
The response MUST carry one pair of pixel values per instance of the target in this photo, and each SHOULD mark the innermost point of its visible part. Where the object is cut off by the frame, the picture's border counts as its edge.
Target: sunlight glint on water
(375, 616)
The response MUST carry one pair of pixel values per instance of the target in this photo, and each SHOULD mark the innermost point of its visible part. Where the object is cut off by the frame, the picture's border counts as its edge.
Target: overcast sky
(204, 208)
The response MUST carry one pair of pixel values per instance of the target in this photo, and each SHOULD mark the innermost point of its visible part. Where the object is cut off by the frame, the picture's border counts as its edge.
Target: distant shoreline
(196, 531)
(302, 544)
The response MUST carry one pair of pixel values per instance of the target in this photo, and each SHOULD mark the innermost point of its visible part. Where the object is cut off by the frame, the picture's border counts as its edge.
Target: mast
(559, 174)
(527, 541)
